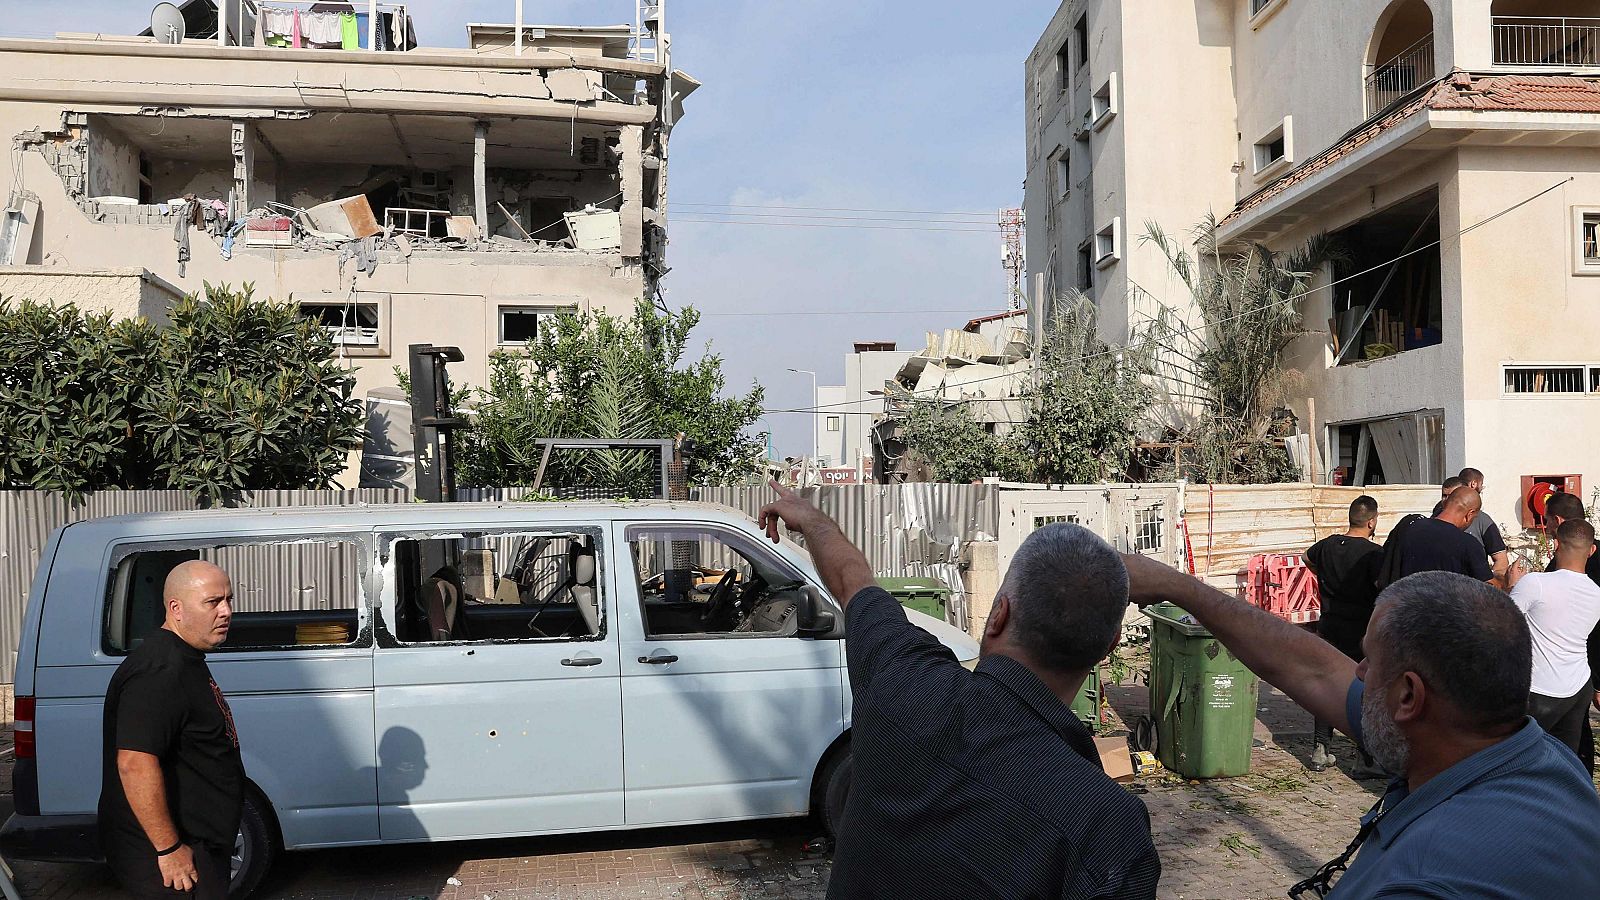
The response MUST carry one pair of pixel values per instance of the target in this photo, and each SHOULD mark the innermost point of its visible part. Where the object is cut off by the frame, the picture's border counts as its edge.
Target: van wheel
(254, 850)
(835, 782)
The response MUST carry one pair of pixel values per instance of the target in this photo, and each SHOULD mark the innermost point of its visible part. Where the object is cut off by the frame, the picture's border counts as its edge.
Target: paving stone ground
(1237, 838)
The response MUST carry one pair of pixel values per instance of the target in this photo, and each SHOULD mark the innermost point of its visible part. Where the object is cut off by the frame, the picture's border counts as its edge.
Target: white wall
(830, 447)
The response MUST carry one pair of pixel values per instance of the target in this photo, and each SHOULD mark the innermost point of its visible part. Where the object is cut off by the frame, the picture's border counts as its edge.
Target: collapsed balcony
(315, 181)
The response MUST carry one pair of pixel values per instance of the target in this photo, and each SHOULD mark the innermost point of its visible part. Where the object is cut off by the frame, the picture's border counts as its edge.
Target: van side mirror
(815, 617)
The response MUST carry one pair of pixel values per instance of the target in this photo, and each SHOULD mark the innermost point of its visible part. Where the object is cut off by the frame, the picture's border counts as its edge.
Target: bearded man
(1484, 803)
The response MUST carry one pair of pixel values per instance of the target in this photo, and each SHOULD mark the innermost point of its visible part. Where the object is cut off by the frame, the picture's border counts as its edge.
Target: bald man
(172, 783)
(1441, 544)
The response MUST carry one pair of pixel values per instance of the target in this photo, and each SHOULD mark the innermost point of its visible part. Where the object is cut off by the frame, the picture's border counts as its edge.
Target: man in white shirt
(1562, 606)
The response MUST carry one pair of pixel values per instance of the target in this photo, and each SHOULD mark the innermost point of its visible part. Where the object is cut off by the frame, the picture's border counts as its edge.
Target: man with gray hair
(1484, 802)
(981, 783)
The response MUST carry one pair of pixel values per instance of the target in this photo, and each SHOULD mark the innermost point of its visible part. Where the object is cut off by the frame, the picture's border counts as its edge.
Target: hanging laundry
(180, 234)
(380, 35)
(352, 36)
(296, 28)
(323, 29)
(277, 24)
(397, 30)
(361, 30)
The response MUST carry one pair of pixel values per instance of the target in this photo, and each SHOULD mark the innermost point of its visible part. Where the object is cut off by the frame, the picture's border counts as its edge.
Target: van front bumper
(51, 838)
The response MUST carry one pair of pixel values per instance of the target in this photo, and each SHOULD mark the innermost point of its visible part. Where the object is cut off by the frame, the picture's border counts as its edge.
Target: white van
(433, 672)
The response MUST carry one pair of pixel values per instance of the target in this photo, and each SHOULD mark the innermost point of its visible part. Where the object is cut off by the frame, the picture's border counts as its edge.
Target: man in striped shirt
(982, 783)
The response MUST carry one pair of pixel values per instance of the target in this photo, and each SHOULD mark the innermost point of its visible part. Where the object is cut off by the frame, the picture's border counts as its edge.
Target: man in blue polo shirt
(1484, 803)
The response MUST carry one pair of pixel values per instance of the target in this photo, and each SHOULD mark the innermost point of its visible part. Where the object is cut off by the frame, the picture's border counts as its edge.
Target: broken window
(1106, 244)
(696, 581)
(1085, 267)
(1080, 34)
(519, 324)
(1406, 449)
(1063, 172)
(1272, 149)
(349, 324)
(286, 593)
(1387, 294)
(523, 586)
(1064, 66)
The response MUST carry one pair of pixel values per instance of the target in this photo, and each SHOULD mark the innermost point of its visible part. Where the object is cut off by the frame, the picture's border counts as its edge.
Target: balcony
(1403, 73)
(1546, 41)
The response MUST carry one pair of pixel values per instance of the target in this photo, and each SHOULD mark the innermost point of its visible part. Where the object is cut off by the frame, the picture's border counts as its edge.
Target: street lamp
(814, 432)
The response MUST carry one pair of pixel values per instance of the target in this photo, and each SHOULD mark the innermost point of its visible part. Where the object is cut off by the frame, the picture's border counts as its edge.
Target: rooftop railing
(1408, 70)
(1546, 41)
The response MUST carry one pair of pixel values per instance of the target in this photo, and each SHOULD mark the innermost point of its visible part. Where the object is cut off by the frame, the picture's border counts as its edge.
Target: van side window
(286, 594)
(697, 581)
(526, 586)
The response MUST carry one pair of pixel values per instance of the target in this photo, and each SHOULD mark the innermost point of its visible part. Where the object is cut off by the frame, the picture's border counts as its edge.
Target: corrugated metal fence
(28, 517)
(909, 530)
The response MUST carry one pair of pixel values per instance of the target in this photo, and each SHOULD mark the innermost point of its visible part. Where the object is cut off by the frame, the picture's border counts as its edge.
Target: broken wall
(172, 178)
(113, 162)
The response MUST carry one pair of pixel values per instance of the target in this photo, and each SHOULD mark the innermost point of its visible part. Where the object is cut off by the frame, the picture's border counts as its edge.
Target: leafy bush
(600, 376)
(234, 394)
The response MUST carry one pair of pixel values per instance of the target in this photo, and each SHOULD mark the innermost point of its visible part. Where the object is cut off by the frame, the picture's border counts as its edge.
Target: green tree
(594, 375)
(950, 442)
(234, 394)
(1247, 300)
(1085, 405)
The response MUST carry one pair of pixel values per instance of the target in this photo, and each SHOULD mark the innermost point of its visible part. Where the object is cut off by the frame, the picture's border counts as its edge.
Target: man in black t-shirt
(1482, 526)
(172, 783)
(1345, 566)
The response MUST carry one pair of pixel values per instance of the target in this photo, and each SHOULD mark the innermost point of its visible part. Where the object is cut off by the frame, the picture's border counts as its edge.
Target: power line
(745, 215)
(847, 312)
(904, 212)
(985, 231)
(1249, 312)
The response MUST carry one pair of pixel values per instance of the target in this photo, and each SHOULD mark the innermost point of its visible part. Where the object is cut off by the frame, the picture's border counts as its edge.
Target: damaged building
(1447, 147)
(400, 194)
(985, 366)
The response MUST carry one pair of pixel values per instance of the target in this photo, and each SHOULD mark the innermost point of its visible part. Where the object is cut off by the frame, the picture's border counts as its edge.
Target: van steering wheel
(721, 599)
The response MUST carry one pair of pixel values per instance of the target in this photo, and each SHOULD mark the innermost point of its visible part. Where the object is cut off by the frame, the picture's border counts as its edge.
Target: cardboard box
(1114, 758)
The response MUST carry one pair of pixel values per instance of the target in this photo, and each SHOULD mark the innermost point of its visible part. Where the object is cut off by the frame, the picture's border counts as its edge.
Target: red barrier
(1284, 586)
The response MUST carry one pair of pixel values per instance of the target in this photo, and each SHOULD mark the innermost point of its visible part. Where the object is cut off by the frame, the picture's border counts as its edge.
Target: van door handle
(582, 661)
(661, 660)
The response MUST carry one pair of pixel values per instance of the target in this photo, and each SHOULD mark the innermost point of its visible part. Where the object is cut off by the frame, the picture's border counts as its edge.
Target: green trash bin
(928, 596)
(1202, 698)
(1086, 706)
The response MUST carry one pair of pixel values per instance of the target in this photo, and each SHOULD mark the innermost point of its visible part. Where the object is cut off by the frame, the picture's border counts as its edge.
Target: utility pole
(814, 412)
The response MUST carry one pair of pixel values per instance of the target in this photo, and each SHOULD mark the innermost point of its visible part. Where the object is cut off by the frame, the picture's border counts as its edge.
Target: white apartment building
(1448, 146)
(487, 186)
(846, 413)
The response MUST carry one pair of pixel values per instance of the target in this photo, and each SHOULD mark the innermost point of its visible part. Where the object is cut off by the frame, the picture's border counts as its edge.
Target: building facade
(399, 194)
(1447, 146)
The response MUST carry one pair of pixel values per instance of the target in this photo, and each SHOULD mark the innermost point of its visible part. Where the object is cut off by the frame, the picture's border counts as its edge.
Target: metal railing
(1408, 70)
(1546, 41)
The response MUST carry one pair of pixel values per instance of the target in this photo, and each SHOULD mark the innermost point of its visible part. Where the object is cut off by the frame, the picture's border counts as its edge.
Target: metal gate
(1140, 518)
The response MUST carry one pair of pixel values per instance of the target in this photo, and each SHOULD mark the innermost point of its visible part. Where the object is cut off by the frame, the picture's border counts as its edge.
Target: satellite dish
(167, 24)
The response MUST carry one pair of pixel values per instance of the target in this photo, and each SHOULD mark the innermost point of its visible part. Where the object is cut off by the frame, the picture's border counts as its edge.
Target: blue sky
(868, 104)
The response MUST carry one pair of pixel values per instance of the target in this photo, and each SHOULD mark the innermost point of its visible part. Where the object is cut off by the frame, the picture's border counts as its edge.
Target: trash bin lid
(1173, 616)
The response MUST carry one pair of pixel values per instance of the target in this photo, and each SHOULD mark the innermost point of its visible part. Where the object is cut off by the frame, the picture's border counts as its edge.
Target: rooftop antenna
(166, 23)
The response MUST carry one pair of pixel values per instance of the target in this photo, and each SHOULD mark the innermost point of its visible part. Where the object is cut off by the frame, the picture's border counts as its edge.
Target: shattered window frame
(256, 565)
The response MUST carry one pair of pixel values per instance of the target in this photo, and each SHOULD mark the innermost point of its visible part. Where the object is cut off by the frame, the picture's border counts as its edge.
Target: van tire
(259, 845)
(835, 783)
